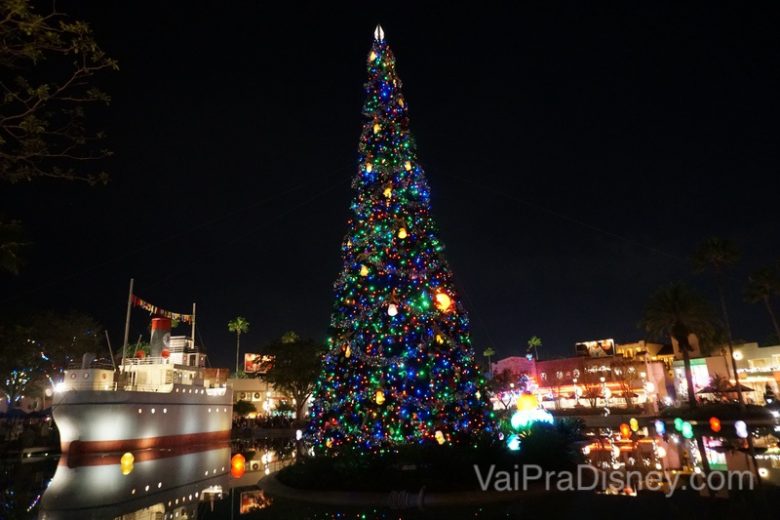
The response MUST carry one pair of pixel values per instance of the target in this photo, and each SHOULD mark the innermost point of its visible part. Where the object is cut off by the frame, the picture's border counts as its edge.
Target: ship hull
(95, 421)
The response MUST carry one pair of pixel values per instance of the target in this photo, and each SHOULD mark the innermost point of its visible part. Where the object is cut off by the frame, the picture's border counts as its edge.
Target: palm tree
(533, 345)
(489, 353)
(717, 255)
(676, 311)
(239, 325)
(763, 284)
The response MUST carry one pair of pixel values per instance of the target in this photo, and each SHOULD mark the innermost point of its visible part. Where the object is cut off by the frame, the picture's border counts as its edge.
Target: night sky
(575, 154)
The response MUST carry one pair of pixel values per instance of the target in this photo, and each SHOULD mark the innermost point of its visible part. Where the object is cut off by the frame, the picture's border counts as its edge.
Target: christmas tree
(400, 368)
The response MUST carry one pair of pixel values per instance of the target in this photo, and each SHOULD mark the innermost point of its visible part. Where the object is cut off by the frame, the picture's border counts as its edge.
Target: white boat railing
(156, 360)
(166, 388)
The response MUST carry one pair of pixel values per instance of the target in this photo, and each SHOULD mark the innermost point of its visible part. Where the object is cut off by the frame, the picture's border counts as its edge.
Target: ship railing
(165, 388)
(156, 360)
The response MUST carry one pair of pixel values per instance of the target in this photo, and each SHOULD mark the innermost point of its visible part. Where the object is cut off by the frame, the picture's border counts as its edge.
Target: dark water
(197, 482)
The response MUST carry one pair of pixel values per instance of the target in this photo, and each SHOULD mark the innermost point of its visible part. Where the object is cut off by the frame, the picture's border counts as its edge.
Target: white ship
(164, 400)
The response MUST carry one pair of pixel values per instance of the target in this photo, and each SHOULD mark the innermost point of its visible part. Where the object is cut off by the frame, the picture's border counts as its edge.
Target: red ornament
(625, 431)
(715, 424)
(237, 465)
(165, 353)
(140, 354)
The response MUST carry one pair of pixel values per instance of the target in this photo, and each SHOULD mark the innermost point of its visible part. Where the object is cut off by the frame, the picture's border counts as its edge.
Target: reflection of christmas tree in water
(400, 367)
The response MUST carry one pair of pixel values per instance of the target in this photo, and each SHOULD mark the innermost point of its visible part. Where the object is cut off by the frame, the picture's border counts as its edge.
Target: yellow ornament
(126, 463)
(408, 165)
(377, 128)
(401, 101)
(439, 339)
(363, 270)
(402, 233)
(633, 424)
(388, 192)
(439, 437)
(443, 301)
(527, 402)
(347, 352)
(329, 443)
(369, 167)
(372, 56)
(379, 397)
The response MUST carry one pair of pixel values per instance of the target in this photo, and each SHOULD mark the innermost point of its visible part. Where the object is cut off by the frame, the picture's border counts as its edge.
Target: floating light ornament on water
(513, 442)
(715, 424)
(126, 463)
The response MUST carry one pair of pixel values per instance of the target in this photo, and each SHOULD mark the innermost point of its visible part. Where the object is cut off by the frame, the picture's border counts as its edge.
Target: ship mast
(193, 324)
(127, 321)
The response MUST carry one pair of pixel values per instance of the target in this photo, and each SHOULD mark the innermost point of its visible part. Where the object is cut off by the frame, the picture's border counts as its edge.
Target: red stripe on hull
(90, 453)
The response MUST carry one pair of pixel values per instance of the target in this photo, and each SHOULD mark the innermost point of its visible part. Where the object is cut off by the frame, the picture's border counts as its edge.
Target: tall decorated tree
(400, 368)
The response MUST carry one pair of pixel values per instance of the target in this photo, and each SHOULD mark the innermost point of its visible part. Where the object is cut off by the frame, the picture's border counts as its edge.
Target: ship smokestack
(161, 336)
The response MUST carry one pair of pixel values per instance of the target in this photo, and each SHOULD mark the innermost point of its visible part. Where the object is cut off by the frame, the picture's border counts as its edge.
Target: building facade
(259, 392)
(759, 369)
